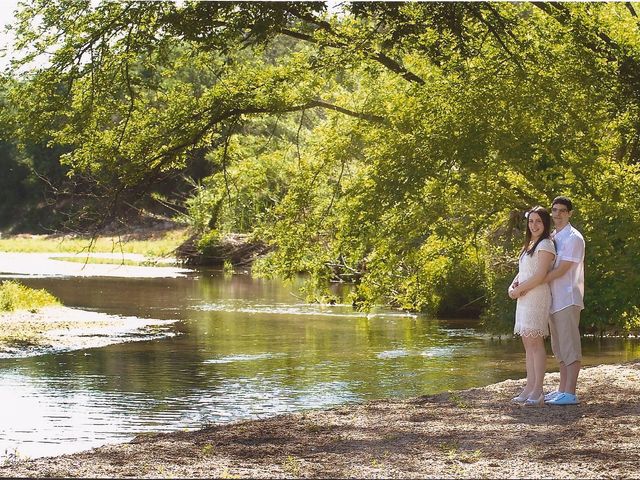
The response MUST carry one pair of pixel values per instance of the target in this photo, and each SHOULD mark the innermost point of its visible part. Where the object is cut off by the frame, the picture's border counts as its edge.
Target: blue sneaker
(564, 399)
(551, 395)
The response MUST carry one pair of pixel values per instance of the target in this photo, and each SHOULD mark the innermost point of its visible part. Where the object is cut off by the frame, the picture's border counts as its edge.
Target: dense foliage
(392, 145)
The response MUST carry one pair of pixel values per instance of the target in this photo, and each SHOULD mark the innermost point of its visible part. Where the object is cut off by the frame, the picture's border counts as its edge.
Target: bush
(15, 296)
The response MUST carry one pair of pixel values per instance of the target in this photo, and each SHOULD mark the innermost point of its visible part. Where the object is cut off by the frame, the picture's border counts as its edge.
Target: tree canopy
(389, 144)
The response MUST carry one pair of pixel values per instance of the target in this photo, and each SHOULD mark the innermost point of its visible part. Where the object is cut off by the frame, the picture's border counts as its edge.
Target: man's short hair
(563, 201)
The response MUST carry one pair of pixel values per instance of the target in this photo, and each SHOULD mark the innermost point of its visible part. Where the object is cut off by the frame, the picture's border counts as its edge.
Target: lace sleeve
(547, 246)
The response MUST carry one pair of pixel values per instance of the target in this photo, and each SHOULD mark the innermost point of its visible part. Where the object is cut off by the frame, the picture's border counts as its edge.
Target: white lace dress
(532, 310)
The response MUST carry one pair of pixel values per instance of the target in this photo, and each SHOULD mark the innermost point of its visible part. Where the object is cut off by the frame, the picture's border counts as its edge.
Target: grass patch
(226, 474)
(457, 400)
(15, 296)
(455, 453)
(291, 466)
(163, 244)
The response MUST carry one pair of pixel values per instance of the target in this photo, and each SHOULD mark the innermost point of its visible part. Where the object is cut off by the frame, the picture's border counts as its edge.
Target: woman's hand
(514, 292)
(512, 287)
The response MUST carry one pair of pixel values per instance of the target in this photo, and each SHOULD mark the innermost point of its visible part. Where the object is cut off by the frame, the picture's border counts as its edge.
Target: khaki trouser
(565, 335)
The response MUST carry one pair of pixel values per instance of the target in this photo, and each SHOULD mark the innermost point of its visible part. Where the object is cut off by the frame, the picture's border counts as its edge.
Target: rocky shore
(474, 433)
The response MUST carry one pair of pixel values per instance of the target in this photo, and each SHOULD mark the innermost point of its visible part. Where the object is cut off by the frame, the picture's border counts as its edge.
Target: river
(240, 348)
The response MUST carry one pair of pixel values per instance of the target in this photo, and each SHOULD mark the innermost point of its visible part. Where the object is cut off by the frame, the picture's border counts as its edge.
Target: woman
(532, 310)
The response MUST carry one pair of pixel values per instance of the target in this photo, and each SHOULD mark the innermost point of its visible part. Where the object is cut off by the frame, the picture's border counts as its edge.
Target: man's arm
(562, 268)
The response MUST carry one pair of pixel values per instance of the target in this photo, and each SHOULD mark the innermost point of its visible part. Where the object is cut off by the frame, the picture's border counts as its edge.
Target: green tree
(434, 126)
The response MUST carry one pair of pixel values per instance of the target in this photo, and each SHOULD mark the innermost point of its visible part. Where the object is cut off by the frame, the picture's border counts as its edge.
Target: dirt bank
(473, 433)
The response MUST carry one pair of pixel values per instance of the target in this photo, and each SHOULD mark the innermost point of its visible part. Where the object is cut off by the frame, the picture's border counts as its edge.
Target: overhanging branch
(236, 112)
(378, 56)
(562, 15)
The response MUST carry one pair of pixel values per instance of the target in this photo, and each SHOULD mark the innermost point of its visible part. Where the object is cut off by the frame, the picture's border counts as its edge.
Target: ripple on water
(338, 310)
(442, 351)
(245, 358)
(393, 353)
(438, 351)
(461, 332)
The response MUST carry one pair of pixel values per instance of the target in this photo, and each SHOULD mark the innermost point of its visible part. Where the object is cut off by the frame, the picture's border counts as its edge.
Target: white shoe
(520, 398)
(535, 402)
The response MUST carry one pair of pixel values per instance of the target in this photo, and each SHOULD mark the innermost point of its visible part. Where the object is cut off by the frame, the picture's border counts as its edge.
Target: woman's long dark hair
(546, 221)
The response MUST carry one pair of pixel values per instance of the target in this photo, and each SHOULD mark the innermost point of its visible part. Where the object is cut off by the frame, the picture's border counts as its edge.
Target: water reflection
(243, 349)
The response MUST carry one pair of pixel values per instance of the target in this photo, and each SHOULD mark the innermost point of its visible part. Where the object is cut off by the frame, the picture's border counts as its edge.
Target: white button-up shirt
(568, 289)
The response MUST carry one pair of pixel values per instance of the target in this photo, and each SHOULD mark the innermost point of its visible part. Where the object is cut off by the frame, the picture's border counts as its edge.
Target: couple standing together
(549, 288)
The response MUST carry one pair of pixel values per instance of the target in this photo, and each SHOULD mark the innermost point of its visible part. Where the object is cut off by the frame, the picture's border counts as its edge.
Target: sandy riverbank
(49, 329)
(51, 264)
(475, 433)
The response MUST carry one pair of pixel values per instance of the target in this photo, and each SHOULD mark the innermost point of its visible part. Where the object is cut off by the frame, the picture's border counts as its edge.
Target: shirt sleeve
(573, 250)
(547, 246)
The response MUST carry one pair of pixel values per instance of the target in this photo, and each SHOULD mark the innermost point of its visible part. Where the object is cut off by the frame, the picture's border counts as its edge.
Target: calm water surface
(242, 348)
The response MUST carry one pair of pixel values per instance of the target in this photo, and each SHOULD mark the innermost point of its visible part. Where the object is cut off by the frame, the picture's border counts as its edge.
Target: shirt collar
(564, 232)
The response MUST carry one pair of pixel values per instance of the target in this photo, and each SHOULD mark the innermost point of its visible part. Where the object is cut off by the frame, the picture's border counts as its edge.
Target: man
(567, 290)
